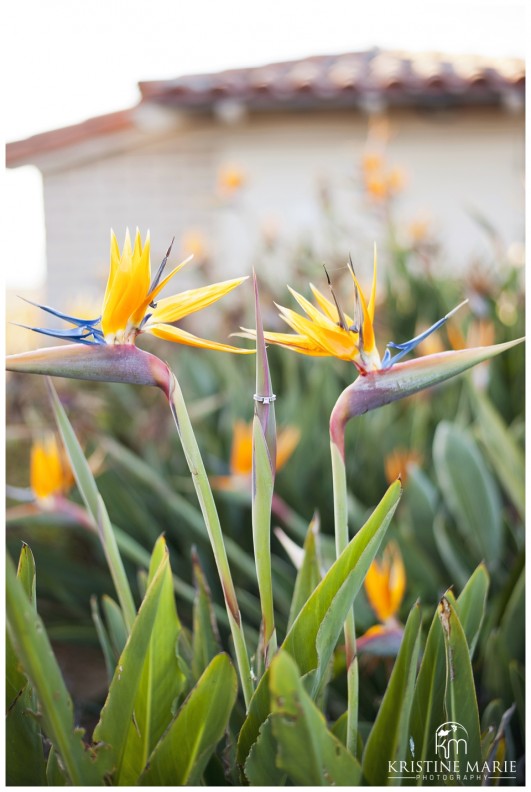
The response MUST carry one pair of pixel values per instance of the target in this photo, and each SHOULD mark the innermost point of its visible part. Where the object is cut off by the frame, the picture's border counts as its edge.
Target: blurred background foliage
(458, 448)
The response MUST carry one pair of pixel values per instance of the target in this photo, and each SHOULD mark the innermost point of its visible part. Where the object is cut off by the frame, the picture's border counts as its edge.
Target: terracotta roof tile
(396, 76)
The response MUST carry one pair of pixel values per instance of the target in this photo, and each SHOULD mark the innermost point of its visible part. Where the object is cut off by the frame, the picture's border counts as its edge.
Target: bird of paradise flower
(104, 349)
(131, 304)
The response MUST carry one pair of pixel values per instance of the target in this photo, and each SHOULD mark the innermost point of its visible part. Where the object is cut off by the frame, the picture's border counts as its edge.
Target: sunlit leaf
(118, 711)
(180, 757)
(314, 633)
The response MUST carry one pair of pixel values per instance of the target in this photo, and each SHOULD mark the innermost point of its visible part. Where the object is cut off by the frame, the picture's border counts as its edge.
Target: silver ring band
(264, 399)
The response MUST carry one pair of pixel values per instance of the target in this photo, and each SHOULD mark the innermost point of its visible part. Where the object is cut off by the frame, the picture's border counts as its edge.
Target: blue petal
(60, 315)
(79, 335)
(408, 346)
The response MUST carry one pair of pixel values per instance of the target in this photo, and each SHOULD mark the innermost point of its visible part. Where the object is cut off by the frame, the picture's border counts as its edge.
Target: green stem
(211, 518)
(116, 567)
(341, 534)
(263, 483)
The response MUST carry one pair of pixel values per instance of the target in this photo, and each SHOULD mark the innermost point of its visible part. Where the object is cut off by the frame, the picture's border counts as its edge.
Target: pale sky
(67, 60)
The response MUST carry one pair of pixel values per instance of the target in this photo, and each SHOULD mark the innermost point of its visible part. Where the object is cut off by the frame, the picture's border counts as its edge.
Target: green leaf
(300, 730)
(471, 605)
(388, 740)
(116, 626)
(162, 678)
(315, 631)
(26, 573)
(33, 649)
(103, 638)
(512, 622)
(118, 712)
(428, 710)
(181, 756)
(469, 490)
(25, 764)
(309, 574)
(505, 455)
(420, 499)
(517, 679)
(460, 696)
(54, 774)
(95, 506)
(205, 638)
(260, 767)
(450, 550)
(15, 678)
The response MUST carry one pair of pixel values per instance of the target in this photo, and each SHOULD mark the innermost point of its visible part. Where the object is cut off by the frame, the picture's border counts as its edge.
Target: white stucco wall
(471, 160)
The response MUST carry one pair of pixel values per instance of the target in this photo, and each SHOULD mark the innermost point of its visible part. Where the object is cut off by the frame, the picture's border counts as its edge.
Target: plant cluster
(238, 683)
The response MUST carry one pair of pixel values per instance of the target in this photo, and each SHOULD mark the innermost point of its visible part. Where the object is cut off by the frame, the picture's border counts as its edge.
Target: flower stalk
(263, 479)
(211, 518)
(339, 483)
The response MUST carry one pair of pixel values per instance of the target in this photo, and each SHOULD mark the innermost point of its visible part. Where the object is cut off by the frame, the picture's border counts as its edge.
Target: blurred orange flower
(241, 458)
(194, 244)
(231, 178)
(385, 583)
(50, 473)
(397, 463)
(381, 182)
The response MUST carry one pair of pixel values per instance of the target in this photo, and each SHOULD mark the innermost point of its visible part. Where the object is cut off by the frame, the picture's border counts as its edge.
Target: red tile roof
(21, 152)
(361, 77)
(368, 80)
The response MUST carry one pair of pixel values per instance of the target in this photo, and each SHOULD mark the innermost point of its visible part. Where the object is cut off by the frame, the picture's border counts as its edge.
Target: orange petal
(170, 333)
(141, 310)
(369, 343)
(313, 313)
(298, 343)
(337, 342)
(130, 284)
(328, 307)
(113, 266)
(171, 309)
